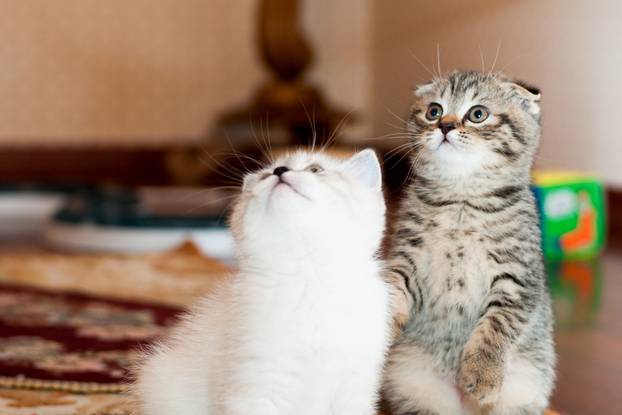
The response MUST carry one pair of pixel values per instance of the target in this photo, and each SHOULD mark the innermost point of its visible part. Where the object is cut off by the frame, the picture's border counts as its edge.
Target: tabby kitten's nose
(280, 170)
(447, 127)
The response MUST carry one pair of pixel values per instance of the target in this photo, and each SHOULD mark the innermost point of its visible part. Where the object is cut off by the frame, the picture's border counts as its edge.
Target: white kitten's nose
(280, 170)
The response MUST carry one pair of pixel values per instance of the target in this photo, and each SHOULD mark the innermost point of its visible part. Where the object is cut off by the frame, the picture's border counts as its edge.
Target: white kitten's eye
(314, 168)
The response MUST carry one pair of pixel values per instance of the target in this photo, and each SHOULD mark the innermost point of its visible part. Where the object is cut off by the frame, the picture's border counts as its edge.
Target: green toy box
(572, 214)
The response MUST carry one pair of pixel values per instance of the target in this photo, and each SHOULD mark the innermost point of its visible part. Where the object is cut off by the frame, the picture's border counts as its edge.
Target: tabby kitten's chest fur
(455, 272)
(466, 265)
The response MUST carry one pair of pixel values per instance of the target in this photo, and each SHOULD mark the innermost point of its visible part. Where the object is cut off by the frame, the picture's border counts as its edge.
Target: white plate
(217, 243)
(25, 214)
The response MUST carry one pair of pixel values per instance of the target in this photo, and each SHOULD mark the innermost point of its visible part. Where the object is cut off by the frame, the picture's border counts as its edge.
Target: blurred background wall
(155, 72)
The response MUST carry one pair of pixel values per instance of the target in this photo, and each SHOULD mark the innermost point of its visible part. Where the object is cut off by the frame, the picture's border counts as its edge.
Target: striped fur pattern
(466, 266)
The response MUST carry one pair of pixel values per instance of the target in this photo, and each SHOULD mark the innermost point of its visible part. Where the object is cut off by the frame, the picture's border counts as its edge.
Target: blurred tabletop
(589, 341)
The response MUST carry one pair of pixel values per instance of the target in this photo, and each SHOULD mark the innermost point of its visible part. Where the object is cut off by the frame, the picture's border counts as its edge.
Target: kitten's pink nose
(280, 170)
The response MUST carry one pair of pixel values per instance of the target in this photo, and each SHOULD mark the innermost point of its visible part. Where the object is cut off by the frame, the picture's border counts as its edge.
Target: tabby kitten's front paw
(481, 375)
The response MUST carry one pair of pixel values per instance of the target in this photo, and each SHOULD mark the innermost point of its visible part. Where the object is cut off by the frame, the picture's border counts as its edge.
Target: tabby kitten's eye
(435, 111)
(478, 114)
(314, 168)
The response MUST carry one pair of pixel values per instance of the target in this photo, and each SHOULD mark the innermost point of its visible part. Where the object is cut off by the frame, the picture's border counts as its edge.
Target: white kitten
(303, 326)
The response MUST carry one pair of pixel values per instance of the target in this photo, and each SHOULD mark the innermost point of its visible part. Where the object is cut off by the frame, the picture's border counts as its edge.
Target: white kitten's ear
(530, 94)
(365, 167)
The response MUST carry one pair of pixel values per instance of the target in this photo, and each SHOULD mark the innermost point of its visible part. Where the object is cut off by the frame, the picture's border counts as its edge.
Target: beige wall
(140, 72)
(570, 48)
(341, 32)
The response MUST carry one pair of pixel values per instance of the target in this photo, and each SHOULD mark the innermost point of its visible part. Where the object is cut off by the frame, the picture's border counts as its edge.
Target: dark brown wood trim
(122, 166)
(614, 211)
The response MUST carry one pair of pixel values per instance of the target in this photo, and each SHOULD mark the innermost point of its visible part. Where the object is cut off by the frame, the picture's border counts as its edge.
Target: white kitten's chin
(287, 191)
(280, 200)
(272, 194)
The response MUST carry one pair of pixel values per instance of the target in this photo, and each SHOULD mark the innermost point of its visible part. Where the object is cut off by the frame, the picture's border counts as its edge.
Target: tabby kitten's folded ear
(424, 89)
(530, 95)
(365, 167)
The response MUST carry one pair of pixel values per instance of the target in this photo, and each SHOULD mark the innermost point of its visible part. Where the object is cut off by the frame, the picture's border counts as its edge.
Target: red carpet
(72, 342)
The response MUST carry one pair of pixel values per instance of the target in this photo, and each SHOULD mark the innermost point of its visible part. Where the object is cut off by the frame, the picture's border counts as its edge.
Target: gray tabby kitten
(466, 265)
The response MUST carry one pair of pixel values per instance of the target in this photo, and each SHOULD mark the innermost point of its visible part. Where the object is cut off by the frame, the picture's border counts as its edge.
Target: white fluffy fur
(303, 326)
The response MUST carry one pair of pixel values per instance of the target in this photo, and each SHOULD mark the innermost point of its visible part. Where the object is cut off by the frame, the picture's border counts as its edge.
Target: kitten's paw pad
(480, 377)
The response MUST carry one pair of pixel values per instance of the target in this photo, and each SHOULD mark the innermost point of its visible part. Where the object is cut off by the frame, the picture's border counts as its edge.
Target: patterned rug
(72, 342)
(130, 297)
(64, 353)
